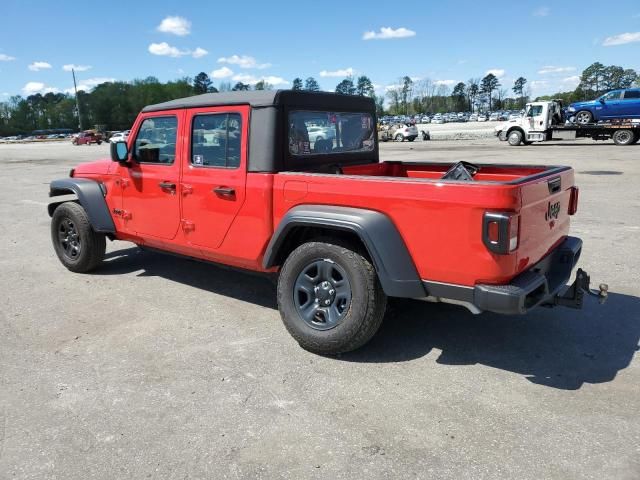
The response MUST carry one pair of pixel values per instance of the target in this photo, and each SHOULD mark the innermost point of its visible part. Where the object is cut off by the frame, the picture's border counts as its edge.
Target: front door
(611, 106)
(214, 172)
(150, 202)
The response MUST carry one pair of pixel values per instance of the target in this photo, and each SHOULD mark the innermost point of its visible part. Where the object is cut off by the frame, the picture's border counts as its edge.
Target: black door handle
(224, 191)
(167, 185)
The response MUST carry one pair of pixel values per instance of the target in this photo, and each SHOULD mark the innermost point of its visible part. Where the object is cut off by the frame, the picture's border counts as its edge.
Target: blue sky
(549, 43)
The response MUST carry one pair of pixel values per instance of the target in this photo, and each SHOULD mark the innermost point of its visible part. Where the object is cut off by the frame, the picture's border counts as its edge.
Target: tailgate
(544, 216)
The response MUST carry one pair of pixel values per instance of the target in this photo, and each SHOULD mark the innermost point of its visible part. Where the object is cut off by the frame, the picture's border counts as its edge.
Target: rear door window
(632, 95)
(313, 133)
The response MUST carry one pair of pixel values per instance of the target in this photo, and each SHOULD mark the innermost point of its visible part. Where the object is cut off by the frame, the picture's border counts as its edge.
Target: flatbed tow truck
(544, 121)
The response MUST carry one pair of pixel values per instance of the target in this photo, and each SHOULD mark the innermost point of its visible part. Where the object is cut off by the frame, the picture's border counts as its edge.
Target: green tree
(297, 84)
(459, 96)
(488, 84)
(240, 87)
(202, 83)
(406, 93)
(263, 85)
(364, 86)
(346, 87)
(518, 89)
(473, 90)
(592, 79)
(311, 85)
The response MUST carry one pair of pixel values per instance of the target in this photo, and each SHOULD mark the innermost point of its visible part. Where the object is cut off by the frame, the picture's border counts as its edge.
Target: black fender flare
(395, 268)
(90, 195)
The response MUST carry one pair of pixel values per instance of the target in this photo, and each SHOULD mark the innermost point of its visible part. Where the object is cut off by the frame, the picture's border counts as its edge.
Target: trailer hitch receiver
(574, 295)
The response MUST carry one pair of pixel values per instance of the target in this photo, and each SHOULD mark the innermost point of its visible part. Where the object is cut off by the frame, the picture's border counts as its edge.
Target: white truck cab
(544, 121)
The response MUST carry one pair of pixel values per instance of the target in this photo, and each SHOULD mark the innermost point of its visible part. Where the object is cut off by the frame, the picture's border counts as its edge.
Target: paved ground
(156, 367)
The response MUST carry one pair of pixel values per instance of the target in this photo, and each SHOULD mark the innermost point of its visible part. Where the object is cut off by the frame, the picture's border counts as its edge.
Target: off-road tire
(514, 138)
(92, 244)
(365, 311)
(624, 137)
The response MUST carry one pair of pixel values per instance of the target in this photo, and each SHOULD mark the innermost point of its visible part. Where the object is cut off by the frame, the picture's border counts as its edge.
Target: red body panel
(440, 221)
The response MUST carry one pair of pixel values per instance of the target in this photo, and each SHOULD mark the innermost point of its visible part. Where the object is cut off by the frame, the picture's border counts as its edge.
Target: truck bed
(441, 220)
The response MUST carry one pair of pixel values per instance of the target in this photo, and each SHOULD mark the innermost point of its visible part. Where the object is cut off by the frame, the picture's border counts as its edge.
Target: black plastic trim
(538, 285)
(394, 265)
(90, 196)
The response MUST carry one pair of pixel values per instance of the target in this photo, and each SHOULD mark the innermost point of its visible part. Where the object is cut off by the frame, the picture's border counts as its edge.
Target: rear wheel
(583, 117)
(78, 247)
(514, 138)
(329, 297)
(624, 137)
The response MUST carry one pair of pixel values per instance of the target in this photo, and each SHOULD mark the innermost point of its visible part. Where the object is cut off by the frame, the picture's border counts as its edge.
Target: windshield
(312, 133)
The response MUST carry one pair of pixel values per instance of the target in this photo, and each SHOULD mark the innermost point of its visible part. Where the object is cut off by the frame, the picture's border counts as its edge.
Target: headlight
(572, 109)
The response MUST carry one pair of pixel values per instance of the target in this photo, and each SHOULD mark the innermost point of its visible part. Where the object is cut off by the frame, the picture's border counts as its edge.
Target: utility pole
(75, 87)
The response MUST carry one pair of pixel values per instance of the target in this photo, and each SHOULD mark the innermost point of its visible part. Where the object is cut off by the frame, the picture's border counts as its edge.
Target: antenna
(75, 88)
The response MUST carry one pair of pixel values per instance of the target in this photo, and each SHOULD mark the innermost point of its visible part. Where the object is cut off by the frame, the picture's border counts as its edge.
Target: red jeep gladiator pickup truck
(289, 182)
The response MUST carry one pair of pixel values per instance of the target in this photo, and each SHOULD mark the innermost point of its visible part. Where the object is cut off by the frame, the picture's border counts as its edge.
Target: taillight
(573, 200)
(500, 232)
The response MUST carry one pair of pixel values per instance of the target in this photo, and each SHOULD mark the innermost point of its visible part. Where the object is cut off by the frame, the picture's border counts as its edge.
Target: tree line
(115, 105)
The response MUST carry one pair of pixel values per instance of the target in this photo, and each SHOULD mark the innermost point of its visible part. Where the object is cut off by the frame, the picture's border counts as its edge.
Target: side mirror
(119, 152)
(601, 100)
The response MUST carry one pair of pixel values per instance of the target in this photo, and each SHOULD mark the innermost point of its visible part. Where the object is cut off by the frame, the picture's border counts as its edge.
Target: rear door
(214, 172)
(631, 104)
(150, 204)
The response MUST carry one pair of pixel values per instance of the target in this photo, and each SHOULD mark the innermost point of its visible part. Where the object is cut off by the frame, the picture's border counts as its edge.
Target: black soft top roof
(269, 98)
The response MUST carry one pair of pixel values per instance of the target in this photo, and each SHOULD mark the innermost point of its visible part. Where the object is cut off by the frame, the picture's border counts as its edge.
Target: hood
(99, 167)
(589, 103)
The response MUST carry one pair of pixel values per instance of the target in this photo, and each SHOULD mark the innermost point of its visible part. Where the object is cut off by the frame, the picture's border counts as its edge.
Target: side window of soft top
(156, 140)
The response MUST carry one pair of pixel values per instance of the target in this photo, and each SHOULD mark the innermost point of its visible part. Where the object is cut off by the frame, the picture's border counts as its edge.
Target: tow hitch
(574, 295)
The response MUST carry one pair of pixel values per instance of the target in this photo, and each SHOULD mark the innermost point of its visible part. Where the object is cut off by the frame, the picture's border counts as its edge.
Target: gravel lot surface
(157, 367)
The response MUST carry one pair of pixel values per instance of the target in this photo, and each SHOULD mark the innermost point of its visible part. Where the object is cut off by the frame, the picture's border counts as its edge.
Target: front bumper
(545, 283)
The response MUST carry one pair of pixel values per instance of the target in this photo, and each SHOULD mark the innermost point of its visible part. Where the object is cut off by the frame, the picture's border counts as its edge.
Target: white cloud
(446, 83)
(498, 72)
(223, 72)
(345, 72)
(572, 81)
(541, 12)
(77, 68)
(243, 61)
(199, 52)
(6, 58)
(37, 66)
(175, 25)
(551, 69)
(166, 50)
(90, 83)
(32, 88)
(621, 39)
(252, 80)
(387, 33)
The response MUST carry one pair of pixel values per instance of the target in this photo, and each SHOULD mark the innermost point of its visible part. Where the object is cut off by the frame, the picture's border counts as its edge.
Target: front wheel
(329, 297)
(583, 117)
(78, 247)
(515, 138)
(399, 138)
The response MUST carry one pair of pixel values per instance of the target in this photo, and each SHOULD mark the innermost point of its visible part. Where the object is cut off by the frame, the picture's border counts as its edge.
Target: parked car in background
(320, 133)
(482, 117)
(405, 132)
(425, 119)
(494, 117)
(617, 104)
(87, 137)
(437, 118)
(473, 117)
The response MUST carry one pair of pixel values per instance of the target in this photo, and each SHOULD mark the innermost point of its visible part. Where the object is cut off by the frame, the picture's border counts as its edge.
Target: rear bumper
(542, 284)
